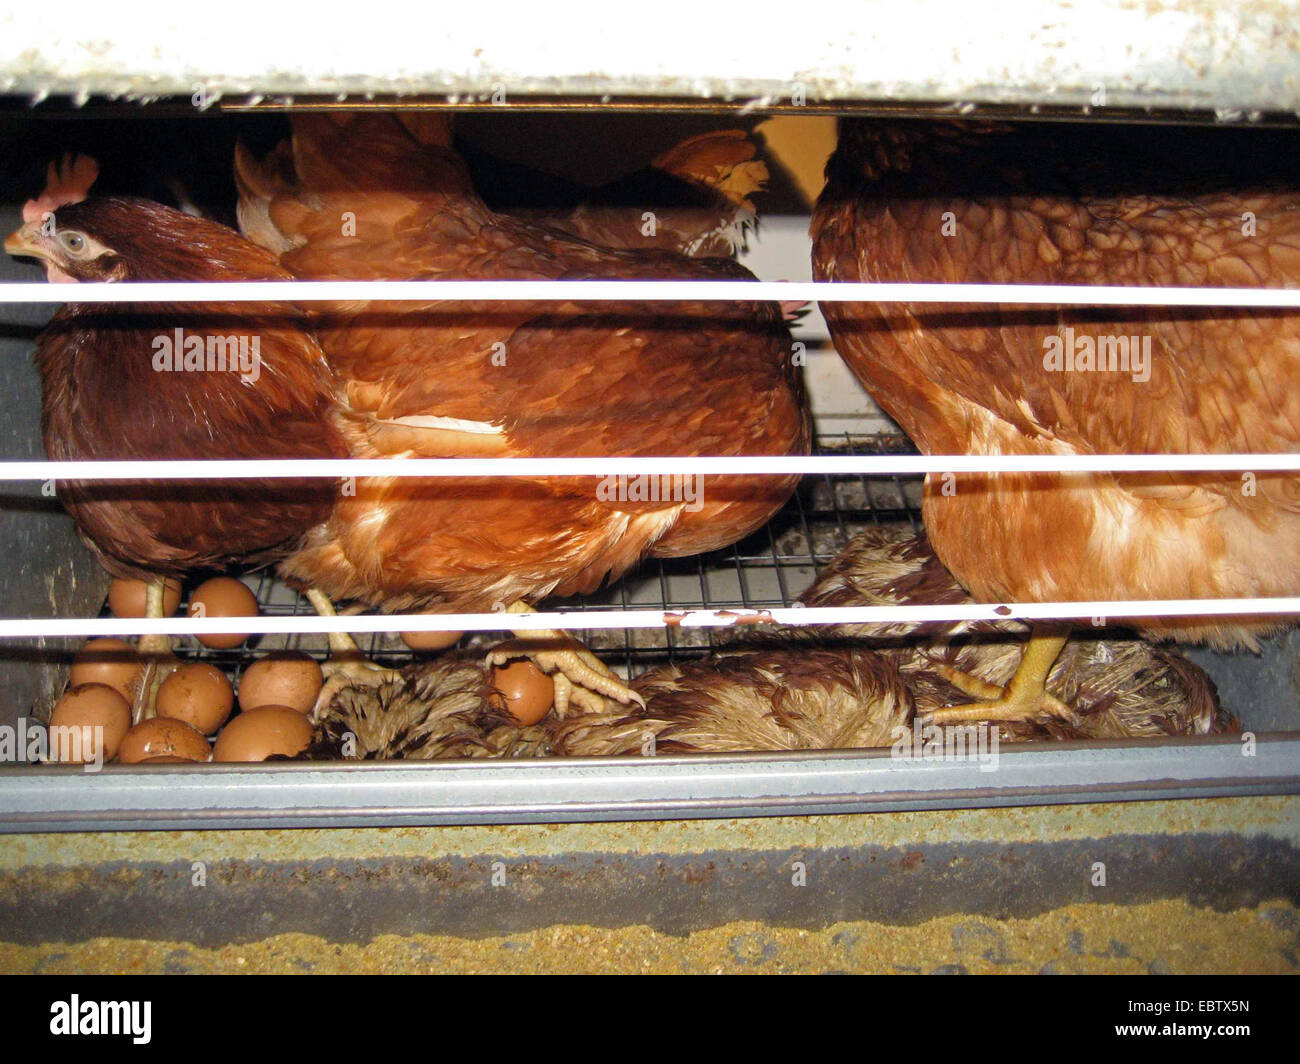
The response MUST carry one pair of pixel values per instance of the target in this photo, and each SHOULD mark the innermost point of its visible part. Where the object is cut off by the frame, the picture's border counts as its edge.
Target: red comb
(68, 182)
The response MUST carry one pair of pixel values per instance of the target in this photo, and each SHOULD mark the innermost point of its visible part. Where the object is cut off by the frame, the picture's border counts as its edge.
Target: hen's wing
(693, 199)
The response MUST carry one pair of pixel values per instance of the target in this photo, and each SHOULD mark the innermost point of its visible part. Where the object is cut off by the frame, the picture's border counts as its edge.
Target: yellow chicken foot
(579, 677)
(1024, 698)
(155, 652)
(347, 667)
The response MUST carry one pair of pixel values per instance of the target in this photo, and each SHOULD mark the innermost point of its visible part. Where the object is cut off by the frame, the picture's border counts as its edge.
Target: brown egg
(163, 737)
(222, 596)
(431, 640)
(257, 734)
(112, 662)
(287, 678)
(198, 694)
(523, 691)
(126, 598)
(94, 706)
(167, 759)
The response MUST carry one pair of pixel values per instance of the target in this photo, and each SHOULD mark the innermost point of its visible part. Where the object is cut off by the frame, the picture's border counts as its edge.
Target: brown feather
(569, 380)
(793, 688)
(1030, 204)
(693, 199)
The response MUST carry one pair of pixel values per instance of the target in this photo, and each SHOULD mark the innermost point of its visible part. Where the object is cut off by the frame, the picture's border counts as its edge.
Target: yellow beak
(26, 241)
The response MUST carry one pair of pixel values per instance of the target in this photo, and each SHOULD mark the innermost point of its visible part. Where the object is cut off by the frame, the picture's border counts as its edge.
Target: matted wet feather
(788, 688)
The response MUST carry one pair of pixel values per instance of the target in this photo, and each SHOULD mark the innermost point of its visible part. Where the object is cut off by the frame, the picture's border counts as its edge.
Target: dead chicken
(849, 686)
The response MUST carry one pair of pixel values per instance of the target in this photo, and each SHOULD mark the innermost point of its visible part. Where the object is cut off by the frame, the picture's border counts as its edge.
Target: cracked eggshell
(163, 737)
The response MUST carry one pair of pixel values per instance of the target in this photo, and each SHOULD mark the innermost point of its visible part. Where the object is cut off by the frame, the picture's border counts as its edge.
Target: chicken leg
(347, 666)
(1024, 698)
(155, 653)
(580, 678)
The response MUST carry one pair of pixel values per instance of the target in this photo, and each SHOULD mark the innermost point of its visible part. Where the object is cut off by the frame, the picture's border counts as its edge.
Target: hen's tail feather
(724, 160)
(259, 182)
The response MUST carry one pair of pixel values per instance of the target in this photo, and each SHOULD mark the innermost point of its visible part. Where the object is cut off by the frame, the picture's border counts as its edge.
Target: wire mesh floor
(770, 568)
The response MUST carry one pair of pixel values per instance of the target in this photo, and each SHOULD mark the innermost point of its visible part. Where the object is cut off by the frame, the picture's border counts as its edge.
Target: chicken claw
(791, 309)
(1025, 698)
(348, 670)
(580, 678)
(347, 666)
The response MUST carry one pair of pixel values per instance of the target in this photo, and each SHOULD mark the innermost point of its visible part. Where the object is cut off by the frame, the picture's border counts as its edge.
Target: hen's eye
(73, 243)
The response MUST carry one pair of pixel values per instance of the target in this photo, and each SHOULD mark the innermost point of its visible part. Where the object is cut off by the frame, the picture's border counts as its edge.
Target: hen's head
(66, 182)
(120, 238)
(70, 249)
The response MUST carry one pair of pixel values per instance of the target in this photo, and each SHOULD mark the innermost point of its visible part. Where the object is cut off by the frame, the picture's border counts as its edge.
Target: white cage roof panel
(1234, 58)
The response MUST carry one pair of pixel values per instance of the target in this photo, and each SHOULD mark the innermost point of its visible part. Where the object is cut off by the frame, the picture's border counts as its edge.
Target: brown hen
(933, 202)
(361, 197)
(104, 395)
(103, 398)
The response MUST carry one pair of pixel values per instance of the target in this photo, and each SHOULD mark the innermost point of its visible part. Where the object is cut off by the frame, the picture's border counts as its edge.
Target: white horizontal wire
(29, 627)
(250, 291)
(881, 465)
(654, 291)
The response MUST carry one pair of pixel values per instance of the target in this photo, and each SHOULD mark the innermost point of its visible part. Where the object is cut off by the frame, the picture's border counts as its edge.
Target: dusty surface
(1160, 938)
(1171, 934)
